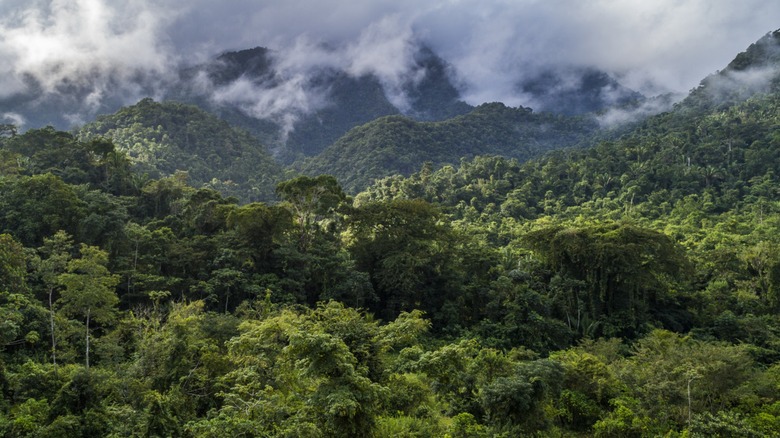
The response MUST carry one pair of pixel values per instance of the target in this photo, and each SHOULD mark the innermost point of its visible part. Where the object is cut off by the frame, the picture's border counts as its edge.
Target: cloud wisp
(384, 50)
(92, 53)
(59, 46)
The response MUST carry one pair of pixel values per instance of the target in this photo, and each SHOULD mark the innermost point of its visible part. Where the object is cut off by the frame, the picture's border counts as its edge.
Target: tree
(519, 399)
(19, 313)
(162, 197)
(39, 206)
(259, 228)
(55, 254)
(311, 200)
(677, 377)
(52, 151)
(89, 290)
(614, 274)
(409, 253)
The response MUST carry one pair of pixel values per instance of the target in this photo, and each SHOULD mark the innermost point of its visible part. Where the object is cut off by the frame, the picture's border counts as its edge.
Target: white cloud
(102, 48)
(384, 49)
(658, 46)
(90, 45)
(13, 118)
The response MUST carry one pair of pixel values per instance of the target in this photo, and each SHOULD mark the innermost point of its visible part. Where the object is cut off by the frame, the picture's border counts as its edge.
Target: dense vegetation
(399, 145)
(627, 289)
(162, 138)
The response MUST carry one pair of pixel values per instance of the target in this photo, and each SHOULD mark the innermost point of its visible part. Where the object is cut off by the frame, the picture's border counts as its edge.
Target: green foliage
(313, 203)
(38, 206)
(163, 138)
(589, 384)
(409, 254)
(621, 273)
(12, 265)
(315, 372)
(20, 313)
(398, 145)
(95, 162)
(519, 399)
(89, 291)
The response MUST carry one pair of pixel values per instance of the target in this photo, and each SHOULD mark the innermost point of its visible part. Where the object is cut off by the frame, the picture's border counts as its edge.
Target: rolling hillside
(162, 138)
(399, 145)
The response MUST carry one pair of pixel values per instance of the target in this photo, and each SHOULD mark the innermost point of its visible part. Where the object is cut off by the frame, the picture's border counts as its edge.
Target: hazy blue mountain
(340, 101)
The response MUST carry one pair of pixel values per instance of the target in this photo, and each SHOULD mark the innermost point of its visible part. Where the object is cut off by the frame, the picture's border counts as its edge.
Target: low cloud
(85, 50)
(739, 84)
(13, 118)
(654, 47)
(100, 52)
(385, 49)
(633, 113)
(283, 102)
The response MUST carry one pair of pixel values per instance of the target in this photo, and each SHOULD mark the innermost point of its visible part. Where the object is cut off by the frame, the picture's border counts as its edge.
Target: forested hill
(754, 71)
(163, 138)
(721, 143)
(398, 145)
(728, 157)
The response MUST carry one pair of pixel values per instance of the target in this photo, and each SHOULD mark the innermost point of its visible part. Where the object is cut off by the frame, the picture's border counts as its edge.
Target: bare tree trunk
(51, 326)
(87, 355)
(691, 375)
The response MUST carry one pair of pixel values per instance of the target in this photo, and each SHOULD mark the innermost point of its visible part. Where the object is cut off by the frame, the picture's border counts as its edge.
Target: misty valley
(248, 251)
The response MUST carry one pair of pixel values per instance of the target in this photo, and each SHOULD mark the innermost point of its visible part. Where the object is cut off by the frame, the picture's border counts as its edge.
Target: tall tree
(89, 290)
(55, 255)
(311, 200)
(408, 252)
(19, 313)
(612, 275)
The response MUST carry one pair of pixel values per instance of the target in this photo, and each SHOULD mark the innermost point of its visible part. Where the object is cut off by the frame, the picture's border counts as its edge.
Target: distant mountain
(577, 90)
(162, 138)
(339, 101)
(400, 145)
(361, 129)
(434, 96)
(297, 111)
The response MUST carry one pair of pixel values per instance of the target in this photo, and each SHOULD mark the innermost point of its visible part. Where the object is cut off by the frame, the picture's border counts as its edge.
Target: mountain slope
(161, 138)
(400, 145)
(720, 160)
(754, 71)
(301, 113)
(718, 151)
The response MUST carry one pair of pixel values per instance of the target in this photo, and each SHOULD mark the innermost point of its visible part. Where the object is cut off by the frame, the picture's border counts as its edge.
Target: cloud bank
(98, 50)
(56, 45)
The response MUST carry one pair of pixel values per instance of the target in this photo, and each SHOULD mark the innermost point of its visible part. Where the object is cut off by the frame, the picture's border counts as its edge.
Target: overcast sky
(653, 46)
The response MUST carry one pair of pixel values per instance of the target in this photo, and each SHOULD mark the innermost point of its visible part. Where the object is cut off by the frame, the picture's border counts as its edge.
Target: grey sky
(653, 46)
